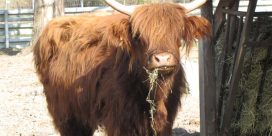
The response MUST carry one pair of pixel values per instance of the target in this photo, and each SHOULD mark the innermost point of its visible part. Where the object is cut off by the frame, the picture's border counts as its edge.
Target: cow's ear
(196, 28)
(119, 34)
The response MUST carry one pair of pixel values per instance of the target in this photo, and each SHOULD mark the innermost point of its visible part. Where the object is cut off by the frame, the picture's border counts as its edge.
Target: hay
(249, 118)
(265, 107)
(153, 79)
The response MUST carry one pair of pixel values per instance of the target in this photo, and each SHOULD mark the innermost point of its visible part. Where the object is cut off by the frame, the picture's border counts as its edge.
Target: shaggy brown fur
(92, 69)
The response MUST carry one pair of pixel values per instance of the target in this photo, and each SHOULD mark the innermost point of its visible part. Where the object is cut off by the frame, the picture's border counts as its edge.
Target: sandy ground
(23, 109)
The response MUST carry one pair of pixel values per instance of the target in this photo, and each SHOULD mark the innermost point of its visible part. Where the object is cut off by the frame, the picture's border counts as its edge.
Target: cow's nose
(161, 60)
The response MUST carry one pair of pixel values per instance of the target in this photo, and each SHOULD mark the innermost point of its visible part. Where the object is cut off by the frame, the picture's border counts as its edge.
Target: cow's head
(156, 31)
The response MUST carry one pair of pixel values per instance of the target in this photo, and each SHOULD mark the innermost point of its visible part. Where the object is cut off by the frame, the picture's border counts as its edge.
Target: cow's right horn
(193, 5)
(119, 7)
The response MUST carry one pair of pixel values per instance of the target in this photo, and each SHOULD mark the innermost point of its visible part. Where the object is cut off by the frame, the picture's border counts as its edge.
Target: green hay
(154, 83)
(250, 84)
(153, 78)
(253, 120)
(265, 107)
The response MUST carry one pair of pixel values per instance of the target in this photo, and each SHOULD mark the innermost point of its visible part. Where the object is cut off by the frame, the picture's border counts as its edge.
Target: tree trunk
(44, 11)
(58, 8)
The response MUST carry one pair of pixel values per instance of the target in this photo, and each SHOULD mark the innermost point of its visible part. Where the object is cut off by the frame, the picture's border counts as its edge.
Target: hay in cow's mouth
(162, 72)
(154, 77)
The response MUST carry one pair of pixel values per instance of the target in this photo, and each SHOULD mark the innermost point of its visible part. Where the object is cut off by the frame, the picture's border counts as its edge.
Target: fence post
(33, 5)
(207, 78)
(6, 29)
(81, 2)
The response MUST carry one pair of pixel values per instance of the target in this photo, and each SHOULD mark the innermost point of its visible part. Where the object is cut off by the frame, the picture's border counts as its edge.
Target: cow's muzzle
(164, 62)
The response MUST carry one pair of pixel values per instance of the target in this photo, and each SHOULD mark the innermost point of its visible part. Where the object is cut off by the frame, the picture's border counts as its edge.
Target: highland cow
(122, 72)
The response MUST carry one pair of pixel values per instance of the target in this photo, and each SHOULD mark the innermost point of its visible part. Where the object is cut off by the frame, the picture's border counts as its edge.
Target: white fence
(16, 25)
(17, 28)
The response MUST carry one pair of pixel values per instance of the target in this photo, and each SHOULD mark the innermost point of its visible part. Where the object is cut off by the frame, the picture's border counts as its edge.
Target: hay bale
(265, 107)
(249, 118)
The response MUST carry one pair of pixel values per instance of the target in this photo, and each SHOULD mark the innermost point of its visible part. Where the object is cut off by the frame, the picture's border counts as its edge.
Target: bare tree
(44, 11)
(58, 8)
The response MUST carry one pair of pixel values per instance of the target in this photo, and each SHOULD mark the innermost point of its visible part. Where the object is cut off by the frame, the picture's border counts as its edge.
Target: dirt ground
(23, 109)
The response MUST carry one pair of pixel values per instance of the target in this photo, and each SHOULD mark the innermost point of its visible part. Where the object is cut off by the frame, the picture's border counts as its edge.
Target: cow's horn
(119, 7)
(193, 5)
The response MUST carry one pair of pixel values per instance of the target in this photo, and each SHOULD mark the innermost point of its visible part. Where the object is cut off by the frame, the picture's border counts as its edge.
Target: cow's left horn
(119, 7)
(193, 5)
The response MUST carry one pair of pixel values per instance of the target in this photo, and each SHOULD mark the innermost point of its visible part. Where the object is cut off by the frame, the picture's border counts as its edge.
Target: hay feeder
(236, 71)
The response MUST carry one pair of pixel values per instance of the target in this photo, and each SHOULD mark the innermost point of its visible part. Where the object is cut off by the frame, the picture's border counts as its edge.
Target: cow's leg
(65, 123)
(71, 127)
(167, 131)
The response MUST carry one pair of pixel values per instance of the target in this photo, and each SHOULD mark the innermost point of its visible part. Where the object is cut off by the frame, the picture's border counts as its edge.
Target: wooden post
(207, 78)
(6, 29)
(223, 64)
(219, 17)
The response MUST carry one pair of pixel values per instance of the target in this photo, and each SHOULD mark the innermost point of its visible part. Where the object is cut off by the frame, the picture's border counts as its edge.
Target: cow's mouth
(164, 71)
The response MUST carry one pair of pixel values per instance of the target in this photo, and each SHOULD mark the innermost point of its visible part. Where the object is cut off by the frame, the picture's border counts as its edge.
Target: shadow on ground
(183, 132)
(9, 51)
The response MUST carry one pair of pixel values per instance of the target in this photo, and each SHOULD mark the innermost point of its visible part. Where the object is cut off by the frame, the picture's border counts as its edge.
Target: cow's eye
(135, 36)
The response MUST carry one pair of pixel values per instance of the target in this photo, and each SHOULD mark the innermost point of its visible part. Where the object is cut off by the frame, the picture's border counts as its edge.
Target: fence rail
(16, 28)
(16, 25)
(29, 4)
